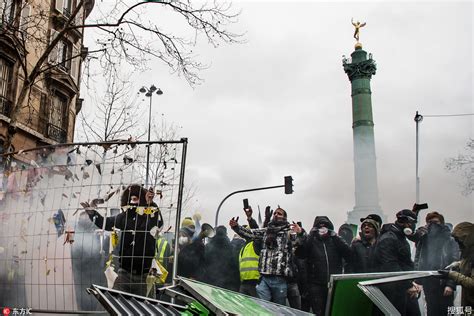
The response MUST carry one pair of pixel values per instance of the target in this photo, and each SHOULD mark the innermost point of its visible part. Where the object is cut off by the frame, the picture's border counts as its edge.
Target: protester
(223, 269)
(463, 233)
(275, 257)
(362, 260)
(435, 250)
(392, 253)
(138, 221)
(324, 252)
(248, 268)
(191, 262)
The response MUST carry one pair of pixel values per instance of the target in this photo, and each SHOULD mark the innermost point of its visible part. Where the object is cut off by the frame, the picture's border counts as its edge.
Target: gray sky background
(280, 105)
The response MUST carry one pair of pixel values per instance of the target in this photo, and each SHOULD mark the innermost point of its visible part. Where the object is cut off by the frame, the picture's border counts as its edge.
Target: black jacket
(223, 269)
(435, 250)
(191, 262)
(362, 257)
(137, 245)
(323, 256)
(392, 251)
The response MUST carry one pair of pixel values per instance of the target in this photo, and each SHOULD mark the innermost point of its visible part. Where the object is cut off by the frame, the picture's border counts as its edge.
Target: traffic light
(288, 185)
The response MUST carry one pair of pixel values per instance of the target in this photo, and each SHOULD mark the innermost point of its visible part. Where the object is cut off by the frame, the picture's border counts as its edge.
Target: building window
(5, 77)
(61, 53)
(64, 55)
(67, 10)
(58, 110)
(57, 124)
(65, 7)
(7, 11)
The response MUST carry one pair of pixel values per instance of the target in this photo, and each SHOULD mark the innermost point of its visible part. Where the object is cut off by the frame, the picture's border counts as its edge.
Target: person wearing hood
(219, 261)
(392, 254)
(275, 261)
(191, 254)
(324, 252)
(363, 247)
(436, 249)
(463, 233)
(140, 222)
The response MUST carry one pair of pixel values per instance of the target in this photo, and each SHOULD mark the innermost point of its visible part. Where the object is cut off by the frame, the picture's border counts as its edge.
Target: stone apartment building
(48, 113)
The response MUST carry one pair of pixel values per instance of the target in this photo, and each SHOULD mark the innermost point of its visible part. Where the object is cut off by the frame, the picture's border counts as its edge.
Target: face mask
(433, 227)
(183, 240)
(407, 231)
(323, 231)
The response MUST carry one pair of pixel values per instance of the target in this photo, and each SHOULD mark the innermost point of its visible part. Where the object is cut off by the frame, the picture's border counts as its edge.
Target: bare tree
(122, 32)
(115, 112)
(464, 163)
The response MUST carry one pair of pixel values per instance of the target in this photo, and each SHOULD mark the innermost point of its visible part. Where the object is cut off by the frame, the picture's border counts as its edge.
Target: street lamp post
(149, 93)
(418, 119)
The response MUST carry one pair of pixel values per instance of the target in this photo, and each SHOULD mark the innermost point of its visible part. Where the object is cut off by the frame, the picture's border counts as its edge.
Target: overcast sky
(280, 105)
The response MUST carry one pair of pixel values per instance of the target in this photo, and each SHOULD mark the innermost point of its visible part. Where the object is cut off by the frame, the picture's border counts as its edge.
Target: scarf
(273, 228)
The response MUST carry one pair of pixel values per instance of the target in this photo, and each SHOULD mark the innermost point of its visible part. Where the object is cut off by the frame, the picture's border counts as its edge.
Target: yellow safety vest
(161, 244)
(248, 263)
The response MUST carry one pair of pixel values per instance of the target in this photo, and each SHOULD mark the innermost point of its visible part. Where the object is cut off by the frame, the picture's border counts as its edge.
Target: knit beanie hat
(435, 214)
(188, 222)
(372, 222)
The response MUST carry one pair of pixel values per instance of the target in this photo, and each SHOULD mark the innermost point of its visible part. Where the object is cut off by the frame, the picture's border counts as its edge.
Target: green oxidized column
(360, 70)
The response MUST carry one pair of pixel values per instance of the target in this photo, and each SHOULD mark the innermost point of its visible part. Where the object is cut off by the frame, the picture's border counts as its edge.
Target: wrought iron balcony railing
(56, 133)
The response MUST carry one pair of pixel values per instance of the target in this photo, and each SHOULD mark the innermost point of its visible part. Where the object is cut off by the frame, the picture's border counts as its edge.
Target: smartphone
(420, 207)
(246, 204)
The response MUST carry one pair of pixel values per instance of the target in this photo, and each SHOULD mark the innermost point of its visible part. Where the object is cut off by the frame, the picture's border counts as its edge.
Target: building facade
(41, 52)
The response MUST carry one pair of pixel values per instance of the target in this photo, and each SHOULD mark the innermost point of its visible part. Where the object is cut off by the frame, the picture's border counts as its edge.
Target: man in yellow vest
(248, 267)
(163, 255)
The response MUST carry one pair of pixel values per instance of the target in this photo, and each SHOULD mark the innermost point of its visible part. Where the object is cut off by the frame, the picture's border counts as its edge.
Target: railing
(56, 133)
(67, 12)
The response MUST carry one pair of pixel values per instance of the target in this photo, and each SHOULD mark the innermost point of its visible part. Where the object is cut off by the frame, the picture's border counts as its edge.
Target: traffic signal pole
(288, 190)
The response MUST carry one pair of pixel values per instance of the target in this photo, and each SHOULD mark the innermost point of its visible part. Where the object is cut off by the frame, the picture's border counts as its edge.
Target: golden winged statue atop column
(357, 26)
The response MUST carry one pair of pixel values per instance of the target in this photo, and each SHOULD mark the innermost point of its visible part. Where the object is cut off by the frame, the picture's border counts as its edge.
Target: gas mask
(323, 231)
(183, 240)
(409, 230)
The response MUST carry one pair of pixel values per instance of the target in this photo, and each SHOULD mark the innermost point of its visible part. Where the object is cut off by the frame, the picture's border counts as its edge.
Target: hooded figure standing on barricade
(463, 233)
(139, 224)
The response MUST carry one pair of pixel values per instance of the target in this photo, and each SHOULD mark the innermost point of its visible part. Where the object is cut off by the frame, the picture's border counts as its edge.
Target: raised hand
(234, 222)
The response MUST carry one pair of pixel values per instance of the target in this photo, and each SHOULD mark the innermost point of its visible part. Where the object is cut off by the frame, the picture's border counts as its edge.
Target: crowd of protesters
(283, 263)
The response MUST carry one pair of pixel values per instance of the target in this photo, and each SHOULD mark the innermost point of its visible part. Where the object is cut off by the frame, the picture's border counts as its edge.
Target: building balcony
(56, 133)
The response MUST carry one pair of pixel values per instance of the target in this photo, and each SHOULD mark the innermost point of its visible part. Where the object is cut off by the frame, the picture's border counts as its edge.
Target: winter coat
(222, 268)
(191, 263)
(435, 250)
(362, 260)
(273, 261)
(324, 256)
(392, 251)
(464, 232)
(137, 245)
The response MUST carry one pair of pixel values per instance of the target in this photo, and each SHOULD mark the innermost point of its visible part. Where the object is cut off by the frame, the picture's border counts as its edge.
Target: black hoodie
(323, 254)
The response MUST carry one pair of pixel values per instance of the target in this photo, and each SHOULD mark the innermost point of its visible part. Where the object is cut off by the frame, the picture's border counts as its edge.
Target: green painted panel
(215, 298)
(348, 299)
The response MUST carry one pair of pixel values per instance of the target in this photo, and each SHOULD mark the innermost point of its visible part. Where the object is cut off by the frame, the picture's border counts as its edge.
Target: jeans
(272, 288)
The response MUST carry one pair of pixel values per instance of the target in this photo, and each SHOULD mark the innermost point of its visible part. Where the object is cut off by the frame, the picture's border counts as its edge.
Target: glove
(268, 212)
(443, 273)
